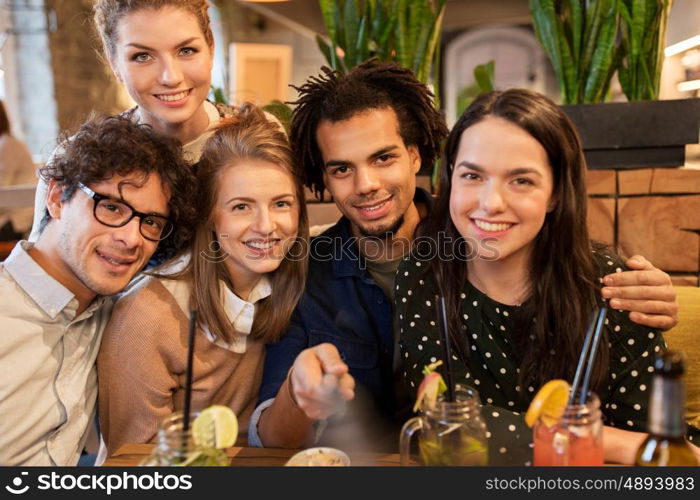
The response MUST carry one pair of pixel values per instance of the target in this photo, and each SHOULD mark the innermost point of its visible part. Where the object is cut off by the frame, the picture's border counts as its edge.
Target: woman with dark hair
(243, 273)
(521, 277)
(16, 168)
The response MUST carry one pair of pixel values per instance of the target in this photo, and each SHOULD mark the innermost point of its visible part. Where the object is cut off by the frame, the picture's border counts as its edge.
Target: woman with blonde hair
(16, 168)
(243, 273)
(162, 52)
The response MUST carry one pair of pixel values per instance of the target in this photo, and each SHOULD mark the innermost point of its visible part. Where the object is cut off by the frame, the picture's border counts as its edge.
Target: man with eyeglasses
(116, 189)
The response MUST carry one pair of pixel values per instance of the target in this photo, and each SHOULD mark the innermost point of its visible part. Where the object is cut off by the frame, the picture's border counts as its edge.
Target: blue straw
(582, 359)
(591, 358)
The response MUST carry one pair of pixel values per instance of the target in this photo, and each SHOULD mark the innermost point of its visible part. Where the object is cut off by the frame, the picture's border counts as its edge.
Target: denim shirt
(344, 306)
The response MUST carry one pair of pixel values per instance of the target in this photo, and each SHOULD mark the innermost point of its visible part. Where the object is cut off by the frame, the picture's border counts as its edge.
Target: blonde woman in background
(16, 168)
(162, 52)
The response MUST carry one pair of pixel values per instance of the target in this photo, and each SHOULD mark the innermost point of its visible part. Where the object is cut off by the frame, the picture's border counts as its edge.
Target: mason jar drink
(451, 433)
(575, 438)
(174, 446)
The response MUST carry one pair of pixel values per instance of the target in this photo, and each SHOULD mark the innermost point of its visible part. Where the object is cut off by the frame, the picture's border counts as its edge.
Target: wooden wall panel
(601, 215)
(600, 181)
(652, 226)
(635, 181)
(684, 280)
(676, 180)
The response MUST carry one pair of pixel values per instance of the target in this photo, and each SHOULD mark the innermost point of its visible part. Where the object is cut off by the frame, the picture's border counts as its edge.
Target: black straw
(582, 359)
(591, 358)
(446, 354)
(188, 376)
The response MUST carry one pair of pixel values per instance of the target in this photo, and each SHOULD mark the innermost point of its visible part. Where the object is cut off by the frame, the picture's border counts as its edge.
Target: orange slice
(549, 403)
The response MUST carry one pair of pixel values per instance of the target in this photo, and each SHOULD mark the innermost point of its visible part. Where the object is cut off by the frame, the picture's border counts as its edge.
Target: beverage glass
(174, 446)
(451, 433)
(575, 438)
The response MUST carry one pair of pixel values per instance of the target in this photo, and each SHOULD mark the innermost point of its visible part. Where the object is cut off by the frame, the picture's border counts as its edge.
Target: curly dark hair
(335, 97)
(107, 146)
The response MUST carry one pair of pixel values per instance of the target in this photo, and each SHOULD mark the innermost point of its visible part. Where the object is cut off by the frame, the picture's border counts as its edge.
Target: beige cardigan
(142, 364)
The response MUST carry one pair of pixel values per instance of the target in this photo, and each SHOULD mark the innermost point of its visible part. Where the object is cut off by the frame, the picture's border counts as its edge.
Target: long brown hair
(563, 274)
(248, 135)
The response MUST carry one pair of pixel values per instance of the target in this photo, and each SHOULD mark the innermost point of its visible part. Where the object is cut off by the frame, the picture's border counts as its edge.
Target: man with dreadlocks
(363, 137)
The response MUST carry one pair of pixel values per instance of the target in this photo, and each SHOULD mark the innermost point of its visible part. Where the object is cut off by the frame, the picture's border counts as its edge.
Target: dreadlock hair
(335, 97)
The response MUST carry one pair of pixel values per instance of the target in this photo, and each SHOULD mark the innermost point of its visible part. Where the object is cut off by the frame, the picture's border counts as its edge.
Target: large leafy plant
(643, 32)
(587, 41)
(406, 31)
(579, 39)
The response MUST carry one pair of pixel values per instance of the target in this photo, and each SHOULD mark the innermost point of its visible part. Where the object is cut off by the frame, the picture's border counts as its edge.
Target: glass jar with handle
(452, 433)
(174, 446)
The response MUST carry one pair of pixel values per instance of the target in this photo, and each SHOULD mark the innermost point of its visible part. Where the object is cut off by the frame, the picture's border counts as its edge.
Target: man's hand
(320, 382)
(645, 291)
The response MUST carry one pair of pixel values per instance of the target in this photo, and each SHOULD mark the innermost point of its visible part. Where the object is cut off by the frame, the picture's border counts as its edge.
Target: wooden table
(132, 454)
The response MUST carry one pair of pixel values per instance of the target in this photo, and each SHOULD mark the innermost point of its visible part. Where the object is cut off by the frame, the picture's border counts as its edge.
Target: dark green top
(384, 273)
(493, 364)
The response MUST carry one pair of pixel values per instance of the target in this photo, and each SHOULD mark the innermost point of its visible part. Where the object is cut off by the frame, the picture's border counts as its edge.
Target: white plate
(319, 457)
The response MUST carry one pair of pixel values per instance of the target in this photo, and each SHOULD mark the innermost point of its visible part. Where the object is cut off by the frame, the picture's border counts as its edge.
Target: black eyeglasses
(115, 213)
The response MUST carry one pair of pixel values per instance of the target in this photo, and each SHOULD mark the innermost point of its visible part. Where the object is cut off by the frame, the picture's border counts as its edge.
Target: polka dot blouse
(493, 364)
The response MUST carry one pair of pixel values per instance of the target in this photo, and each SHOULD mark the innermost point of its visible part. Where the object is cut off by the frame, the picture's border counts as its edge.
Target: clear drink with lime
(202, 445)
(451, 433)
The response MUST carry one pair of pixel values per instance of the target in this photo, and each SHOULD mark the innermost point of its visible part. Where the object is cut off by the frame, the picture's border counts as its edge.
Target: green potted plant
(579, 39)
(642, 35)
(406, 31)
(587, 42)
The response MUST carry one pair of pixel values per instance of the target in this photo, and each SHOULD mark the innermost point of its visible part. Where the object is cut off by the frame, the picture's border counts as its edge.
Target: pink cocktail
(576, 438)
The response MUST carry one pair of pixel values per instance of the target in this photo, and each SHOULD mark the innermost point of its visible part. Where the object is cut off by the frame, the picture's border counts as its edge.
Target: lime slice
(191, 457)
(549, 403)
(215, 427)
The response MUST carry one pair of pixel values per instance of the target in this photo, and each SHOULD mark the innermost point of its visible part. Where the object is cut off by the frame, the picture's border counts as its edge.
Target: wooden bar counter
(131, 455)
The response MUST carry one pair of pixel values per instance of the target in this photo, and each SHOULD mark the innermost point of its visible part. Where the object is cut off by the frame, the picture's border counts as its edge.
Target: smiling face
(90, 258)
(501, 188)
(255, 217)
(369, 171)
(165, 63)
